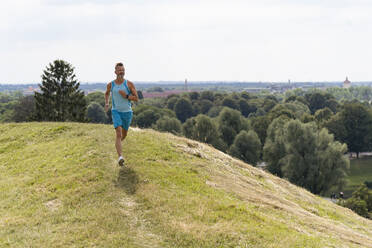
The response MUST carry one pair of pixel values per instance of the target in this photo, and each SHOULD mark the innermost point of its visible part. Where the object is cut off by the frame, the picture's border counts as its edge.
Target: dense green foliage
(247, 147)
(353, 125)
(306, 156)
(96, 113)
(360, 202)
(60, 98)
(168, 124)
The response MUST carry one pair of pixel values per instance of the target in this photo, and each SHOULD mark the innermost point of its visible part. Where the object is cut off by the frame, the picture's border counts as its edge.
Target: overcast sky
(251, 40)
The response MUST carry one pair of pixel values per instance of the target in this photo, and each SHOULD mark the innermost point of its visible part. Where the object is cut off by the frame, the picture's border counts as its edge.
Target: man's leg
(118, 140)
(123, 133)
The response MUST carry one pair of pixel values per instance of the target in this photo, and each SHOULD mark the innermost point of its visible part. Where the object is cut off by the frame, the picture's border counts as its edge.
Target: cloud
(202, 40)
(79, 2)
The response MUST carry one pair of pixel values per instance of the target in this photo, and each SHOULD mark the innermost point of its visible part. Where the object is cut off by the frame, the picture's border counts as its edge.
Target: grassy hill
(60, 186)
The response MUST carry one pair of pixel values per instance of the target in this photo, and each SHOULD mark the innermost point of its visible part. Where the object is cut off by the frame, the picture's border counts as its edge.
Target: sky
(171, 40)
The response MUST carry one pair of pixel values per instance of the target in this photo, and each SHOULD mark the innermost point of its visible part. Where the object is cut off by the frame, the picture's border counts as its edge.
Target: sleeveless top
(119, 103)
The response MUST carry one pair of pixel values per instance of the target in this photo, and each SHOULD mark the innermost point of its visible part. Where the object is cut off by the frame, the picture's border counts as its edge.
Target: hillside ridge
(60, 186)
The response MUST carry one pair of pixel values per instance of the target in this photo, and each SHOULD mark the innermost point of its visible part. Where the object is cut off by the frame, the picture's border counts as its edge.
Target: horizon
(207, 82)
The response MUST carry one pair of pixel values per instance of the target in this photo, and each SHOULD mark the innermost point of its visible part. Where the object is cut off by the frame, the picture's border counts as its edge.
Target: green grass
(60, 186)
(360, 171)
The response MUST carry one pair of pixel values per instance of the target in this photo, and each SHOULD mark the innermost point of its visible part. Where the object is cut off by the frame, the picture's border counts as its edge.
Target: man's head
(119, 69)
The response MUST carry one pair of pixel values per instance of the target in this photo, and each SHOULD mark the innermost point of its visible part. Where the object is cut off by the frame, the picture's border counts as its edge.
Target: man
(123, 92)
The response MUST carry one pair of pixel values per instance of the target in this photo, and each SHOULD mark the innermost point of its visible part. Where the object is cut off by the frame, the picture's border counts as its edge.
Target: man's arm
(133, 96)
(107, 96)
(123, 94)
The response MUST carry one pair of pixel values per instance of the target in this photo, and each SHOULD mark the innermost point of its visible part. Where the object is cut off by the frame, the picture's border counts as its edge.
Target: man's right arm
(107, 96)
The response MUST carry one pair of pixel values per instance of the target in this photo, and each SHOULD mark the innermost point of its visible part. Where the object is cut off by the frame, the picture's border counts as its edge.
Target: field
(360, 171)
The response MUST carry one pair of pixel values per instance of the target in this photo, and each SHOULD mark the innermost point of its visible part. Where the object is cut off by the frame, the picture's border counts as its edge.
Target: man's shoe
(121, 161)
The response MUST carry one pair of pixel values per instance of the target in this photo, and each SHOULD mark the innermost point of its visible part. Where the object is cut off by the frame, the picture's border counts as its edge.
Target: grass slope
(60, 186)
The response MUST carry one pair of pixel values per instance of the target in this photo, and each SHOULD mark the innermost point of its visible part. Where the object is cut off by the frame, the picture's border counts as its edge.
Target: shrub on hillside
(167, 124)
(360, 202)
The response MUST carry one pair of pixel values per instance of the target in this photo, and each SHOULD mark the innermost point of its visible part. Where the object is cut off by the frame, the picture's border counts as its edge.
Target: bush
(368, 184)
(95, 113)
(247, 147)
(168, 124)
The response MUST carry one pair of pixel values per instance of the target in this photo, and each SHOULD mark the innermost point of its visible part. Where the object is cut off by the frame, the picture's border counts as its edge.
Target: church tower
(347, 83)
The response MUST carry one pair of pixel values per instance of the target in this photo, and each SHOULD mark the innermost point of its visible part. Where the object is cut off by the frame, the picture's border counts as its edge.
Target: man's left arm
(133, 96)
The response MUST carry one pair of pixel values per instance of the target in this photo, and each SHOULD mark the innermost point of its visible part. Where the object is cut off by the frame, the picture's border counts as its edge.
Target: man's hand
(106, 107)
(123, 94)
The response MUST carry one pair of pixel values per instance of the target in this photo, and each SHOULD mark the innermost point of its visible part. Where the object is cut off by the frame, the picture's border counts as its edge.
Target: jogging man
(123, 92)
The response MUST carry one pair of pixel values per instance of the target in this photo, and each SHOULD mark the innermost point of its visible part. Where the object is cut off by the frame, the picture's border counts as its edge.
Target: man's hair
(118, 64)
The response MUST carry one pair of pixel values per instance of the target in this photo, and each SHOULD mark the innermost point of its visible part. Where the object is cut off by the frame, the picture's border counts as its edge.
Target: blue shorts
(121, 119)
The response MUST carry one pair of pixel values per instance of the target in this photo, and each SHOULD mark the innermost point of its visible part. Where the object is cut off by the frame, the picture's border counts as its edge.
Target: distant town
(165, 88)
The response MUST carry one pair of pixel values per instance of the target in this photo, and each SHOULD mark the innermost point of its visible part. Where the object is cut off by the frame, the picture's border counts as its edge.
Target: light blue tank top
(119, 103)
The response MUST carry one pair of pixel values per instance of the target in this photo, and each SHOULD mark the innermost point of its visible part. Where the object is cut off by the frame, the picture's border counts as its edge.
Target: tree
(202, 128)
(336, 127)
(230, 102)
(361, 201)
(246, 108)
(194, 95)
(353, 125)
(333, 105)
(230, 123)
(183, 109)
(291, 98)
(147, 118)
(274, 148)
(205, 106)
(260, 125)
(95, 113)
(294, 110)
(246, 95)
(281, 110)
(214, 111)
(205, 129)
(207, 95)
(196, 108)
(305, 156)
(155, 89)
(168, 124)
(188, 128)
(171, 102)
(98, 97)
(305, 118)
(269, 104)
(322, 115)
(24, 109)
(247, 147)
(313, 159)
(318, 100)
(60, 98)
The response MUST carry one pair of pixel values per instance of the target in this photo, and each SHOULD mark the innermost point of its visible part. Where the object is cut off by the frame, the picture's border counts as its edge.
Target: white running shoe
(121, 161)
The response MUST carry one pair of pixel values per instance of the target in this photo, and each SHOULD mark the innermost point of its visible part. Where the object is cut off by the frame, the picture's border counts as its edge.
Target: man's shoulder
(130, 83)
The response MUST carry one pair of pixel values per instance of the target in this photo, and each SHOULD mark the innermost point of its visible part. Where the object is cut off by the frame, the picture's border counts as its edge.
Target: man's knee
(124, 134)
(118, 133)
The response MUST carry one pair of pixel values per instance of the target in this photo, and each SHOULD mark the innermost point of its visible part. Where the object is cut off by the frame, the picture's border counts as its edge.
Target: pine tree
(60, 98)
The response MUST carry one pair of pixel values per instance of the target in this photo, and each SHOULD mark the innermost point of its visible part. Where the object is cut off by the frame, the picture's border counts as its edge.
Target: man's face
(120, 71)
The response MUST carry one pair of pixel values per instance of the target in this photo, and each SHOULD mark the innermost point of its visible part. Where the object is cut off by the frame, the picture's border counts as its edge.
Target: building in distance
(347, 83)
